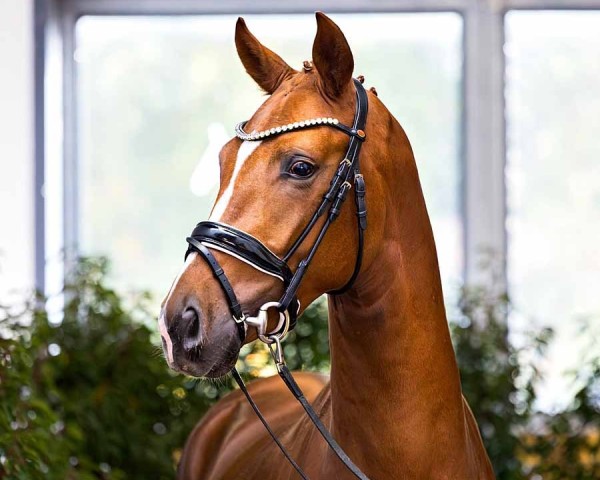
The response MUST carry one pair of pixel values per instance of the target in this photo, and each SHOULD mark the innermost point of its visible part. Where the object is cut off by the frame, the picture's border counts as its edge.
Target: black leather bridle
(209, 236)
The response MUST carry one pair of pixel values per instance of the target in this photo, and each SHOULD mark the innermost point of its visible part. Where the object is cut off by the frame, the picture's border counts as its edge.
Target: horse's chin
(201, 369)
(225, 364)
(221, 369)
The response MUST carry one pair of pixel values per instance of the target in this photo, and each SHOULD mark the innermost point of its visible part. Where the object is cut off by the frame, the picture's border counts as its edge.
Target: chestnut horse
(393, 400)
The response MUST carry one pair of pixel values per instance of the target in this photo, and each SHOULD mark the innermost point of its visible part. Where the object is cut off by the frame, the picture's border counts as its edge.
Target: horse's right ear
(264, 66)
(332, 57)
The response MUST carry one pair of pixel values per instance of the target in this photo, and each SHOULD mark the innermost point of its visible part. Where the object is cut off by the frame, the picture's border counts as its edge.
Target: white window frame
(483, 125)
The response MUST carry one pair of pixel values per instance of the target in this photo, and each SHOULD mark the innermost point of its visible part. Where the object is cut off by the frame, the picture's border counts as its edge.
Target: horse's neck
(394, 381)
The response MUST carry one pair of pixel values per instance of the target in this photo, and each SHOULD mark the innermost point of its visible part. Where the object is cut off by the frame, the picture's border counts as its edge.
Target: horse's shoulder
(311, 383)
(232, 422)
(271, 391)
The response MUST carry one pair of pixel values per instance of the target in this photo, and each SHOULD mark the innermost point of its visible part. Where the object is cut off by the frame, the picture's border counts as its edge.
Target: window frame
(482, 154)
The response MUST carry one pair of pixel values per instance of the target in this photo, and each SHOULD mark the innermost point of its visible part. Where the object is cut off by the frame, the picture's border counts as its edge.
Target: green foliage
(491, 369)
(27, 422)
(90, 396)
(498, 381)
(307, 346)
(567, 444)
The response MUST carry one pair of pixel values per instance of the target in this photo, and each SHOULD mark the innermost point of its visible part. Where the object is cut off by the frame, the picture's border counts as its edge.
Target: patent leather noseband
(208, 236)
(244, 247)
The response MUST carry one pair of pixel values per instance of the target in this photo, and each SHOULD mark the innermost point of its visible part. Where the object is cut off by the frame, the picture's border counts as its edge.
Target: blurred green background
(86, 394)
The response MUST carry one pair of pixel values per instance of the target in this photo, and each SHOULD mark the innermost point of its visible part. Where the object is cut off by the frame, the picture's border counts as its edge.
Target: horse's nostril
(190, 328)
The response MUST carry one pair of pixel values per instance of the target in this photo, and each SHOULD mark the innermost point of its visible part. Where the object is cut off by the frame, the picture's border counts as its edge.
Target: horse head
(274, 175)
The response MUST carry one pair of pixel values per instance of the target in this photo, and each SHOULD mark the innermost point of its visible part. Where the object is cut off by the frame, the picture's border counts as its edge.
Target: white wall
(16, 146)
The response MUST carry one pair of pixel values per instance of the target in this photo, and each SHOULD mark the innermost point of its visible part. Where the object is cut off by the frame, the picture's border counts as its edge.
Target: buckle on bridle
(276, 351)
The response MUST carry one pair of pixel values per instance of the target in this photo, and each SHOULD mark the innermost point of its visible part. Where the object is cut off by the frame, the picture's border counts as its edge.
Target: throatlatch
(209, 236)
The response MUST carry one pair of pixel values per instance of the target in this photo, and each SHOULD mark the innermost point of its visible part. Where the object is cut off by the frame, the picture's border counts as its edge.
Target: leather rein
(209, 236)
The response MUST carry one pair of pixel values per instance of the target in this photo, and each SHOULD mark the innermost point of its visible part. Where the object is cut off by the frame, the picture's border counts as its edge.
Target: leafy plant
(498, 380)
(495, 381)
(567, 444)
(86, 394)
(90, 396)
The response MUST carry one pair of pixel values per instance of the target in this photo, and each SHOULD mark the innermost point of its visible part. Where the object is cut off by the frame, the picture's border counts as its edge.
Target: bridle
(219, 236)
(210, 235)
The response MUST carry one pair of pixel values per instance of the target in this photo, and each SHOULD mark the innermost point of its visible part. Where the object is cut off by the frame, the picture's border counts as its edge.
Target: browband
(313, 122)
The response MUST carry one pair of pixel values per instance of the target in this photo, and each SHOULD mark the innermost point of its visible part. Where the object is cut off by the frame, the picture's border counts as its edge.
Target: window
(553, 120)
(501, 106)
(158, 96)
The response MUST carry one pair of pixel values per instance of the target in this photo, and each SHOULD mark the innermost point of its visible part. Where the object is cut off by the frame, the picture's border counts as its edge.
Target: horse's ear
(332, 57)
(264, 66)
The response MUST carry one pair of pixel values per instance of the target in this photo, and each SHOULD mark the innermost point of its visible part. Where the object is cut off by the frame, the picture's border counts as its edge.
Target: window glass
(158, 96)
(553, 114)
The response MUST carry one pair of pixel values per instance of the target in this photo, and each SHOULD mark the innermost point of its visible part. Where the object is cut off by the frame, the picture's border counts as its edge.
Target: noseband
(209, 236)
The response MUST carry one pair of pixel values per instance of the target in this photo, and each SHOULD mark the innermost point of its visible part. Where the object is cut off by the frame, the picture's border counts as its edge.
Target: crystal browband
(313, 122)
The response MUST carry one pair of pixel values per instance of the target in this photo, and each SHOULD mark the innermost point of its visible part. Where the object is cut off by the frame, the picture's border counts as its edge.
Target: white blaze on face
(243, 154)
(162, 325)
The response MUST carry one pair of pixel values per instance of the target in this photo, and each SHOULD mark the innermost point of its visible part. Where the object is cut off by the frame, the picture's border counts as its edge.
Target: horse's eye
(302, 169)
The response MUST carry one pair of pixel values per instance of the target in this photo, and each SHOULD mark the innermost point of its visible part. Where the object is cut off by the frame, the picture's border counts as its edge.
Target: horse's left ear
(332, 57)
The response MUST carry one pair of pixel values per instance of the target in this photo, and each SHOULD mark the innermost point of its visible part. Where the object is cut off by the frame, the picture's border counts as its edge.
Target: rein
(209, 236)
